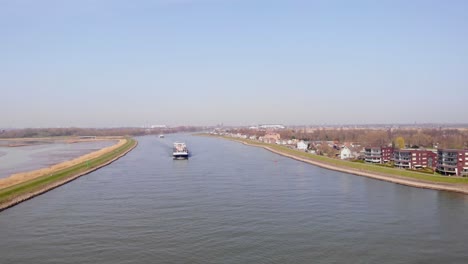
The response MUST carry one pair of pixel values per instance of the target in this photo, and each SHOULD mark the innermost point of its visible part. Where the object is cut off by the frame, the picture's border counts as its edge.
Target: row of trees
(73, 131)
(427, 138)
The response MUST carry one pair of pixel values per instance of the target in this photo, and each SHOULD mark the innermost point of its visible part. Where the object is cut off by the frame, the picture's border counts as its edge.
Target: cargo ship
(180, 151)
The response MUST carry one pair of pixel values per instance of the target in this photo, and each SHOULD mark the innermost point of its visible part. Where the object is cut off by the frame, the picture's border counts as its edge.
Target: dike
(50, 186)
(452, 187)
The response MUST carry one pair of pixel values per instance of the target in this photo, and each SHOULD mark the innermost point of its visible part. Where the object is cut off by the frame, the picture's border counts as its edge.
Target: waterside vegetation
(17, 193)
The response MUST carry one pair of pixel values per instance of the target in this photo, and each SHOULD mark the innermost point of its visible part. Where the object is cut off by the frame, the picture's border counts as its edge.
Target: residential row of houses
(444, 161)
(344, 151)
(271, 138)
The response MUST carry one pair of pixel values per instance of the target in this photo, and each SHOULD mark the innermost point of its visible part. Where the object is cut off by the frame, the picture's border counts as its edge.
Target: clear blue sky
(239, 62)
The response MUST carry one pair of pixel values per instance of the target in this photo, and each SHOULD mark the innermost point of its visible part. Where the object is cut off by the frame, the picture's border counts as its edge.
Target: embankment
(419, 183)
(24, 186)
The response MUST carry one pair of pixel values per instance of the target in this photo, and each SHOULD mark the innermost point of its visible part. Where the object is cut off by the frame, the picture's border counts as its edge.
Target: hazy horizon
(206, 62)
(324, 125)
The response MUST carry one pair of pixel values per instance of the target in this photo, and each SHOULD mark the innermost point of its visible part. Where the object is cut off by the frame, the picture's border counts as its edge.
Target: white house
(301, 145)
(345, 153)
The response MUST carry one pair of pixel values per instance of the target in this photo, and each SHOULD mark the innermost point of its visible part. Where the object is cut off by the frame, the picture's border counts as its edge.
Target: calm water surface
(232, 203)
(33, 157)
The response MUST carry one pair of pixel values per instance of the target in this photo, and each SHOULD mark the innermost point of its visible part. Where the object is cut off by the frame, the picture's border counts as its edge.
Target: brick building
(414, 158)
(452, 162)
(378, 154)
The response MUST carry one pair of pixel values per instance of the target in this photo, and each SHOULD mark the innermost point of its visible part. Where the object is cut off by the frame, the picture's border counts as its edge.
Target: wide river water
(231, 203)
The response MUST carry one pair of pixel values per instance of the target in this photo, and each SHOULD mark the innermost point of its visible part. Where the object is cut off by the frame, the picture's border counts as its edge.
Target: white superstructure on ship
(180, 151)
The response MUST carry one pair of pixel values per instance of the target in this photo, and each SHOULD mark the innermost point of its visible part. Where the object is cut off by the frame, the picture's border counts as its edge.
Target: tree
(374, 138)
(400, 142)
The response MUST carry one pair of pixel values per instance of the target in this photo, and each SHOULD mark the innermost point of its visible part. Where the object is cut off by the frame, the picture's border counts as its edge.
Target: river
(231, 203)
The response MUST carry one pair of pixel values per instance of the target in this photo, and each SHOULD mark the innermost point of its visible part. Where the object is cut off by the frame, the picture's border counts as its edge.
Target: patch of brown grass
(26, 176)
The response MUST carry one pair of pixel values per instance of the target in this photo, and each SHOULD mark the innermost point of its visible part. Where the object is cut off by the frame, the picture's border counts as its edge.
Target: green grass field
(7, 194)
(359, 166)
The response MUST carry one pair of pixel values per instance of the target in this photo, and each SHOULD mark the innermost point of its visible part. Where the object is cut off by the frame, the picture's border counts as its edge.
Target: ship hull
(180, 155)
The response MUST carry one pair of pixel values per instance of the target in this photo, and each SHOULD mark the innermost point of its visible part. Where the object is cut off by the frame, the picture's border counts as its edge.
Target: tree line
(412, 138)
(74, 131)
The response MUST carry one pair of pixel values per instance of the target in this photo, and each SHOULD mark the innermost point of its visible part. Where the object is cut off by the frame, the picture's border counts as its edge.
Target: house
(414, 158)
(345, 153)
(272, 136)
(301, 145)
(452, 162)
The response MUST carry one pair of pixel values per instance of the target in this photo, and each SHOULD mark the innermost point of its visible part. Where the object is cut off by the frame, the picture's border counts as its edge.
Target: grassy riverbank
(357, 167)
(29, 188)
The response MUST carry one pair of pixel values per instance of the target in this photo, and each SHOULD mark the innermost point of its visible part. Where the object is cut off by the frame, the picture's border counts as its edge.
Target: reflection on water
(232, 203)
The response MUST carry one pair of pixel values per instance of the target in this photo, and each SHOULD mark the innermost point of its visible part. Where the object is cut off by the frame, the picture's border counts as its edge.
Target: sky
(109, 63)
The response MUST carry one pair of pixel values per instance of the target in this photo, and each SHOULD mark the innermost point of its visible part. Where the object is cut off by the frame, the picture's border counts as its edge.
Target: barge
(180, 151)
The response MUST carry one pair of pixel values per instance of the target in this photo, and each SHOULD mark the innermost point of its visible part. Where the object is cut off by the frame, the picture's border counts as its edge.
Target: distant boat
(180, 151)
(161, 136)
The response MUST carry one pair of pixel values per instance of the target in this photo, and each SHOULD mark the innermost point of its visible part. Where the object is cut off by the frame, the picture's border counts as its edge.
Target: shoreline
(378, 176)
(54, 184)
(23, 176)
(31, 160)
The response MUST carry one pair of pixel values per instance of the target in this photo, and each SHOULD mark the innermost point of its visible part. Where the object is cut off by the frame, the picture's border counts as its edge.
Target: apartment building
(378, 154)
(414, 158)
(387, 154)
(452, 162)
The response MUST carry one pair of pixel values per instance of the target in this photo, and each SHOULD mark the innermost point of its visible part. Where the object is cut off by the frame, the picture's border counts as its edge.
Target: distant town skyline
(237, 62)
